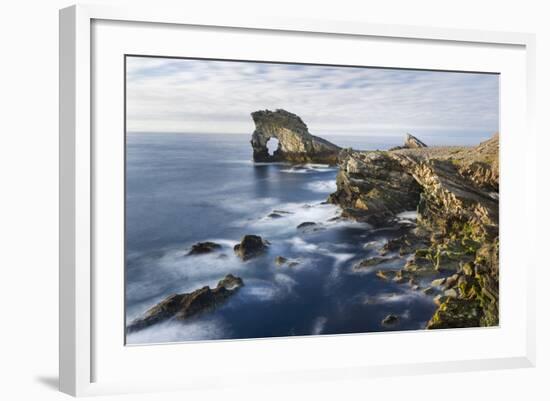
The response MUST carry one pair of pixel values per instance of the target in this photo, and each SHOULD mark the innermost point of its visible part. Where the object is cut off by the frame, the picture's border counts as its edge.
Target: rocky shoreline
(450, 253)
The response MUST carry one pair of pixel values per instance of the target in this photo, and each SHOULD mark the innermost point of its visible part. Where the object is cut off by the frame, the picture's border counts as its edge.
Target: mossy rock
(456, 313)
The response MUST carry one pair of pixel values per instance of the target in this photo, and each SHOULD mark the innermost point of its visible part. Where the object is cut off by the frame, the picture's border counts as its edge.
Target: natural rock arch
(296, 144)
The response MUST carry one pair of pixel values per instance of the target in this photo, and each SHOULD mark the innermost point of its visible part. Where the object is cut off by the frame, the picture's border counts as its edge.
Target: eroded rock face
(455, 193)
(296, 144)
(374, 187)
(183, 306)
(411, 142)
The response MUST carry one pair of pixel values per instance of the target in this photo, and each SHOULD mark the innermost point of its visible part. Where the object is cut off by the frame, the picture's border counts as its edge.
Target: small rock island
(296, 144)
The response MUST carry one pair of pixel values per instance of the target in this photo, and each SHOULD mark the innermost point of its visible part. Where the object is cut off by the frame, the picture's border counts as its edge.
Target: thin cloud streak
(180, 95)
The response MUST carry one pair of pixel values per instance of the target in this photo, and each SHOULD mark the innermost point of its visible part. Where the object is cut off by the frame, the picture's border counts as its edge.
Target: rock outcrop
(250, 247)
(201, 248)
(183, 306)
(411, 142)
(296, 144)
(455, 193)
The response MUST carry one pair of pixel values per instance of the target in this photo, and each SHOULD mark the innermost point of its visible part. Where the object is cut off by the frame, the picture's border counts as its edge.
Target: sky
(207, 96)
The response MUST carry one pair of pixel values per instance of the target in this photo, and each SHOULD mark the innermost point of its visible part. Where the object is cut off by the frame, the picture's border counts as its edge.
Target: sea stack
(296, 144)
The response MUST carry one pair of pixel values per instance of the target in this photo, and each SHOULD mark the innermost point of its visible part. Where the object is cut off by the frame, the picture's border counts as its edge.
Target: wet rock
(250, 247)
(281, 212)
(231, 282)
(296, 144)
(306, 224)
(293, 264)
(184, 306)
(428, 290)
(390, 320)
(274, 215)
(451, 293)
(280, 260)
(201, 248)
(400, 276)
(370, 262)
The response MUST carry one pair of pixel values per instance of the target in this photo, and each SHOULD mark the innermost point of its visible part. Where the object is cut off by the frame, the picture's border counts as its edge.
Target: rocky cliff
(296, 144)
(455, 193)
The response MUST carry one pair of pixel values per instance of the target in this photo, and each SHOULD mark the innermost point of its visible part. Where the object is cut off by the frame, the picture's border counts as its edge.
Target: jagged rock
(390, 320)
(230, 282)
(411, 142)
(296, 144)
(293, 264)
(250, 246)
(374, 187)
(183, 306)
(203, 247)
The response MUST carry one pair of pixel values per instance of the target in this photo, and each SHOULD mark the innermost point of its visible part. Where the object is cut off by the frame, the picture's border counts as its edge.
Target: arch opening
(272, 145)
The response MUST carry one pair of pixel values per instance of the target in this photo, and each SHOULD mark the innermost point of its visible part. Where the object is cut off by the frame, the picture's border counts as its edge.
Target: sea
(187, 188)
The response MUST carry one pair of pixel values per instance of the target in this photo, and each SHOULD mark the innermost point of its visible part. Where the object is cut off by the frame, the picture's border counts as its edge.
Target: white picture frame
(78, 152)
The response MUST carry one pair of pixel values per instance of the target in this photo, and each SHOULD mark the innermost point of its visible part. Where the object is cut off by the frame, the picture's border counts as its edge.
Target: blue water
(186, 188)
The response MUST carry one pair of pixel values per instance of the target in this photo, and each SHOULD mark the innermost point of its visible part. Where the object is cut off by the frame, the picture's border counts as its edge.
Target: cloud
(186, 95)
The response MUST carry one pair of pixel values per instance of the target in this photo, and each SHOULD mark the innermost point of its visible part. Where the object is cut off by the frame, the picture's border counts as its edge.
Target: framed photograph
(306, 199)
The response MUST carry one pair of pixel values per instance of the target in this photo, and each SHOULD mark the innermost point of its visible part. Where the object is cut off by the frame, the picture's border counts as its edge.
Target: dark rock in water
(296, 144)
(280, 260)
(250, 246)
(274, 215)
(293, 264)
(306, 224)
(428, 290)
(390, 320)
(183, 306)
(374, 261)
(282, 212)
(230, 282)
(203, 247)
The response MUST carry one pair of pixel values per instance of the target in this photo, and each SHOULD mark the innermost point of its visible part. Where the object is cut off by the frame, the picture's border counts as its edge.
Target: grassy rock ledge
(455, 191)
